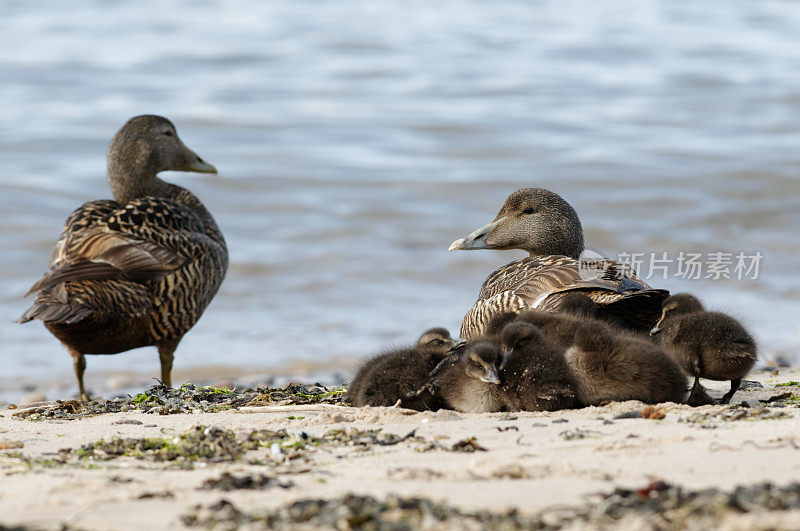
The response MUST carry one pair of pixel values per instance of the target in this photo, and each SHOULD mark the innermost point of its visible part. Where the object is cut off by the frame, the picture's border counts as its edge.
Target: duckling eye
(529, 210)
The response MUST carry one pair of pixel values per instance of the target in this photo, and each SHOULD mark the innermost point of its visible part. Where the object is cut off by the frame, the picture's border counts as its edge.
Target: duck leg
(735, 383)
(698, 396)
(166, 353)
(79, 362)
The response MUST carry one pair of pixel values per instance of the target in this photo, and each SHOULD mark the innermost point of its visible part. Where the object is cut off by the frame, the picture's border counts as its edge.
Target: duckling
(542, 223)
(609, 366)
(397, 375)
(139, 270)
(705, 344)
(472, 383)
(535, 376)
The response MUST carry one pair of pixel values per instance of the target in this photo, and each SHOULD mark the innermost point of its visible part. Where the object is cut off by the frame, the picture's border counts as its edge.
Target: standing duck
(139, 270)
(399, 374)
(709, 345)
(547, 227)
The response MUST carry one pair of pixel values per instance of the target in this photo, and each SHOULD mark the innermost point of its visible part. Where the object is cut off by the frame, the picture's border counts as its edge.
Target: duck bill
(477, 239)
(657, 328)
(195, 164)
(458, 344)
(491, 377)
(200, 166)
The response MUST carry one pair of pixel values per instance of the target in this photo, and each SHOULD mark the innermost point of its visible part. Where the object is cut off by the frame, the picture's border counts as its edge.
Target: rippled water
(355, 141)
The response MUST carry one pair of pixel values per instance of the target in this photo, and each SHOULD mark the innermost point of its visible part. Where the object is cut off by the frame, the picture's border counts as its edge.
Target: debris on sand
(228, 482)
(187, 398)
(729, 414)
(656, 506)
(215, 444)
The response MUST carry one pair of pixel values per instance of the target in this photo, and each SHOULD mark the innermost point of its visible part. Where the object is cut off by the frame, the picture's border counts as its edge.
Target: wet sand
(529, 461)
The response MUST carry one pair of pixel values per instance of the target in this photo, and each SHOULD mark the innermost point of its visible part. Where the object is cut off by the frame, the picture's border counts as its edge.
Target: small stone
(636, 414)
(8, 444)
(560, 421)
(276, 453)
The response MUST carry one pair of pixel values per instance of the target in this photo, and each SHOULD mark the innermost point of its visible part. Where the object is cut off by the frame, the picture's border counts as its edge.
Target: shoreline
(530, 462)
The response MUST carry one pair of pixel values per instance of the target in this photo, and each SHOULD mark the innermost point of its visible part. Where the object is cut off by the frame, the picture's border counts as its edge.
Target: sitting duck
(547, 227)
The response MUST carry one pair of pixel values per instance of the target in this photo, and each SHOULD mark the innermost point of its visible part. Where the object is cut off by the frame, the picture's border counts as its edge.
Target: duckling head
(143, 147)
(437, 340)
(534, 220)
(675, 305)
(482, 361)
(520, 336)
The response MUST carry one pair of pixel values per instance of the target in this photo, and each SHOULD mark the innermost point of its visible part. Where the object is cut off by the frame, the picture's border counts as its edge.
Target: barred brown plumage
(140, 270)
(544, 224)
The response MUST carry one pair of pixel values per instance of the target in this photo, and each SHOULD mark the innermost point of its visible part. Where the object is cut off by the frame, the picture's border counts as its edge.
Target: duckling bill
(139, 270)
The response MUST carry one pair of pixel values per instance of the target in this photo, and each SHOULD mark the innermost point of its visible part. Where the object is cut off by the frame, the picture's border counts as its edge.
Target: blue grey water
(356, 140)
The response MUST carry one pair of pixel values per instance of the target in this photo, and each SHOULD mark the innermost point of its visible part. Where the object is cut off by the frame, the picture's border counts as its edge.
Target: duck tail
(56, 312)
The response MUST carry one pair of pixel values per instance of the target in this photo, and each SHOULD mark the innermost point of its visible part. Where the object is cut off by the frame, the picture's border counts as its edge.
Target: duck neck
(572, 249)
(128, 183)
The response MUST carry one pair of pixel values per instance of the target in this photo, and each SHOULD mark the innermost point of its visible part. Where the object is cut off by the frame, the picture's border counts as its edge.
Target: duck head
(519, 336)
(675, 305)
(532, 219)
(482, 361)
(438, 341)
(143, 147)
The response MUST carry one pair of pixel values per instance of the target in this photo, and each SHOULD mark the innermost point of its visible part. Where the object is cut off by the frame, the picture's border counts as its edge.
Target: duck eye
(168, 133)
(529, 210)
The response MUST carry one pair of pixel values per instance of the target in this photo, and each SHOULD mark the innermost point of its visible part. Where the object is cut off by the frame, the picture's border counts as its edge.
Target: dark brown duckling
(611, 366)
(141, 269)
(472, 383)
(387, 378)
(535, 376)
(709, 345)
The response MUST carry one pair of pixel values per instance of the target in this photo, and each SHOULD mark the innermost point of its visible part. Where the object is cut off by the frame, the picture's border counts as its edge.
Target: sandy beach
(134, 469)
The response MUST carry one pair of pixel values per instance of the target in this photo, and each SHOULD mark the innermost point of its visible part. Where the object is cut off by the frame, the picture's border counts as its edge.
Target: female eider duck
(710, 345)
(139, 270)
(547, 227)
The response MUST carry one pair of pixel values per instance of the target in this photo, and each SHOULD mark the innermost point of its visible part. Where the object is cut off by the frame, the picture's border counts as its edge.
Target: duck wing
(538, 283)
(142, 241)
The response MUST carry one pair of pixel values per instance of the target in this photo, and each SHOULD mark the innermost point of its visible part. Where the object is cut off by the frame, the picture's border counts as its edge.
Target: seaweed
(657, 505)
(163, 400)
